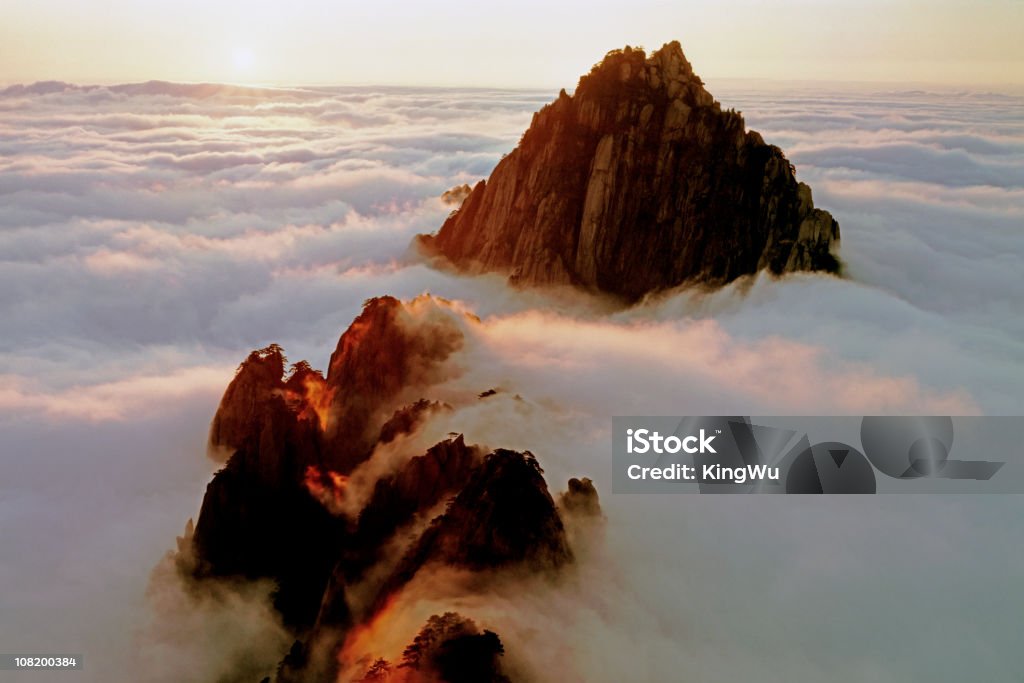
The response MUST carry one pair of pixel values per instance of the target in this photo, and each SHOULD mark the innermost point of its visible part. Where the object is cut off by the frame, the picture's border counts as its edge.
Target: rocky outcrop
(638, 182)
(289, 433)
(301, 502)
(415, 489)
(503, 517)
(581, 498)
(261, 397)
(248, 529)
(386, 356)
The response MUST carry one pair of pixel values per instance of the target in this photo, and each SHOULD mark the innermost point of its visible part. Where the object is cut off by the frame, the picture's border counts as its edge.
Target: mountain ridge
(302, 502)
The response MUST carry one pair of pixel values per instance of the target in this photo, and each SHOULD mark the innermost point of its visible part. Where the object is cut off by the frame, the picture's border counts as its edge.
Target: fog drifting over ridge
(153, 234)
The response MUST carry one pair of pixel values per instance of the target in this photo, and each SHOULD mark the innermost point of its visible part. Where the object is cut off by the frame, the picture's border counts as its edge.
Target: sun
(243, 59)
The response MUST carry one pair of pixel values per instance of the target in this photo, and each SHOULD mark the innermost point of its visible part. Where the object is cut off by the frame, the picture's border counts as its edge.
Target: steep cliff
(388, 353)
(302, 502)
(637, 182)
(285, 435)
(414, 489)
(504, 516)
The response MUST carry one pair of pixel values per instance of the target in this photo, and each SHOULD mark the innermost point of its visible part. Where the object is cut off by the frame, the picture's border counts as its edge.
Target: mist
(153, 234)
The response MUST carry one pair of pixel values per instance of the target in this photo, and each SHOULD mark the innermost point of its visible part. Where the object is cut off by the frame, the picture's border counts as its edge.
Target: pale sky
(542, 43)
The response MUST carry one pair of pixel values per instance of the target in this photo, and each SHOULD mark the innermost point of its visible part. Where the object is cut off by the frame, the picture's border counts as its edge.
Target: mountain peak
(665, 65)
(637, 182)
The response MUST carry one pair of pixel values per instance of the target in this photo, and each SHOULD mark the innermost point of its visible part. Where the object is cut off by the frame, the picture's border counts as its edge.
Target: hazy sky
(544, 43)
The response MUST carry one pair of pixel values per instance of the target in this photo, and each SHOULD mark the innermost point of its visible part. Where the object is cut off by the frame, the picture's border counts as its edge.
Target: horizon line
(990, 86)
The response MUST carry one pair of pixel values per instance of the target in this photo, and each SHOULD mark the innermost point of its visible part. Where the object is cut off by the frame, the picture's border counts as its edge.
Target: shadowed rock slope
(303, 501)
(637, 182)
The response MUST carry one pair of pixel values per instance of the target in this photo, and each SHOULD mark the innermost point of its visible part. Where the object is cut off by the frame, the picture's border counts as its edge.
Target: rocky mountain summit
(638, 182)
(328, 493)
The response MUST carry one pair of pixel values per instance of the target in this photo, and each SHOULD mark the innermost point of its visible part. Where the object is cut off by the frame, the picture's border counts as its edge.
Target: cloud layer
(152, 234)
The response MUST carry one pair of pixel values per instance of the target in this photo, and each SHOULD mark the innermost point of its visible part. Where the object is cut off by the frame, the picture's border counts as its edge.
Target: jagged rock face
(250, 396)
(504, 516)
(258, 518)
(260, 404)
(413, 490)
(638, 182)
(295, 437)
(252, 530)
(417, 487)
(388, 351)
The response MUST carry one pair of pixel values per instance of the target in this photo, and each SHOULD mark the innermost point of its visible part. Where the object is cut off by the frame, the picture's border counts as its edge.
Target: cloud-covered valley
(153, 234)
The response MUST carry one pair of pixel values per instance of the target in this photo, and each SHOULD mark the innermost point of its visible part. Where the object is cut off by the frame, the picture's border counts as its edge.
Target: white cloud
(153, 234)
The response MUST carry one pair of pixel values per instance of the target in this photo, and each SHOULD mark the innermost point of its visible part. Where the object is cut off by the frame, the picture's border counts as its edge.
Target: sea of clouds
(151, 235)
